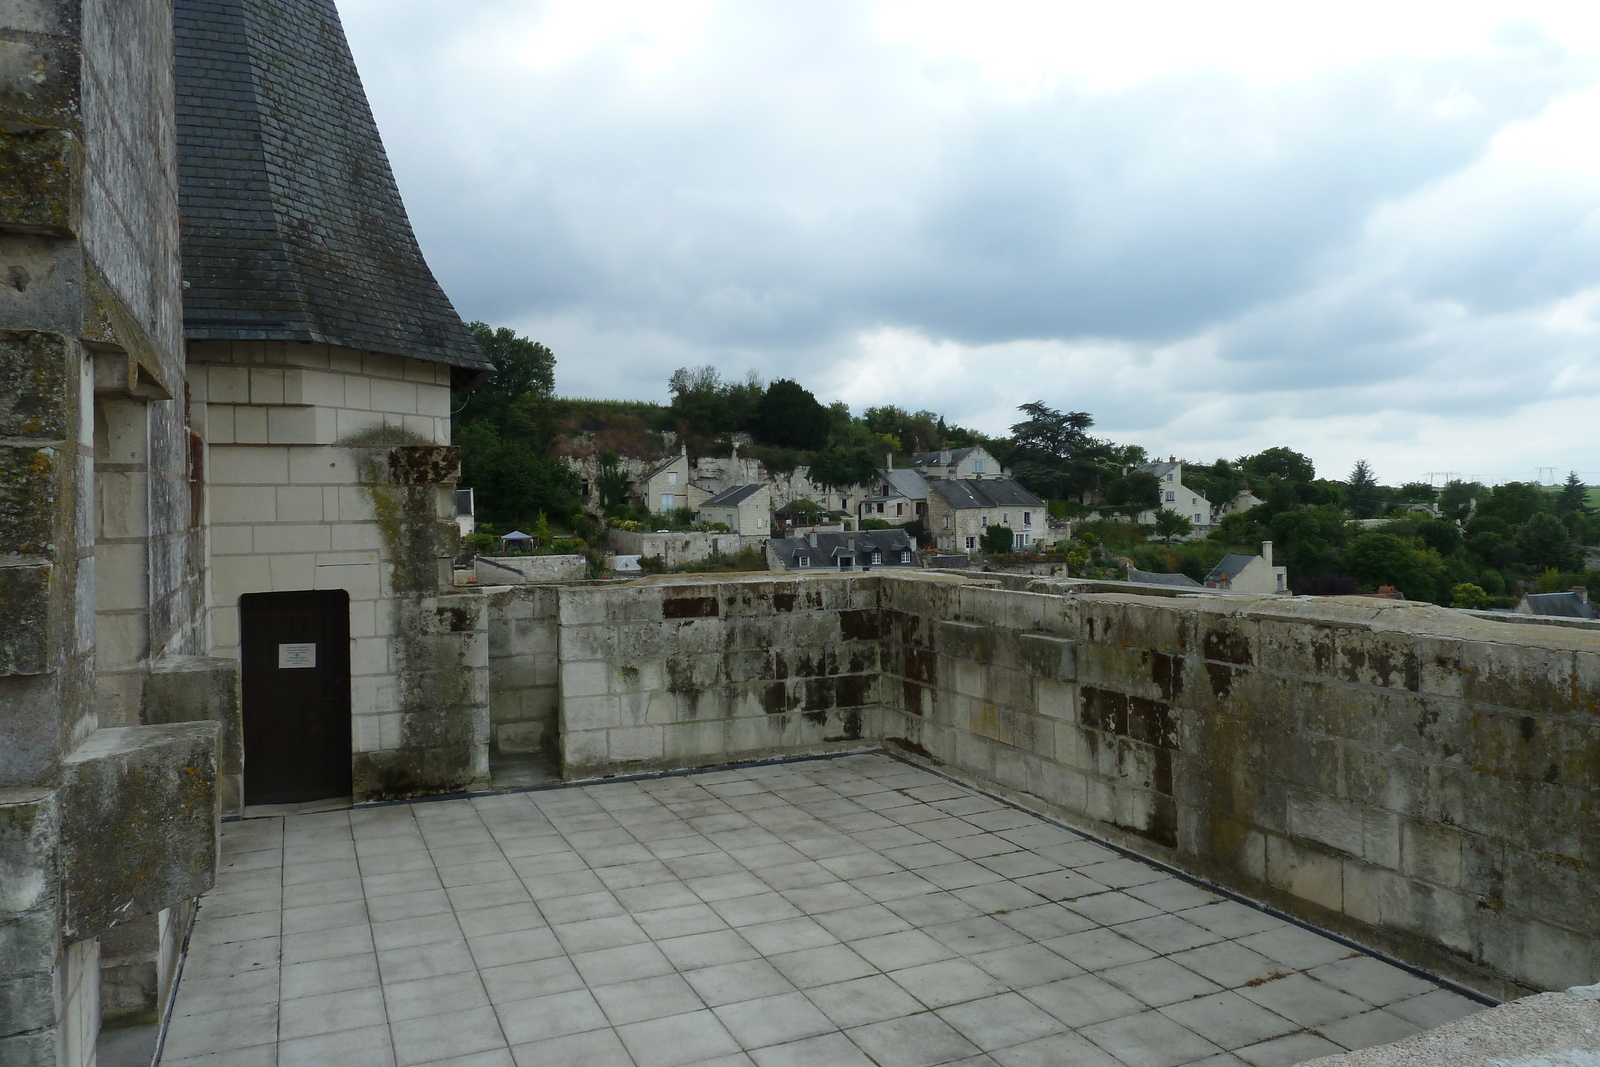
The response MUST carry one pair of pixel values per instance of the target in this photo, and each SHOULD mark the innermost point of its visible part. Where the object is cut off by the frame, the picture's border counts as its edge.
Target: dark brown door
(295, 660)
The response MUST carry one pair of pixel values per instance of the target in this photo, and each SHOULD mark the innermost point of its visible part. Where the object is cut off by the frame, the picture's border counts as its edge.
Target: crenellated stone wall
(1423, 780)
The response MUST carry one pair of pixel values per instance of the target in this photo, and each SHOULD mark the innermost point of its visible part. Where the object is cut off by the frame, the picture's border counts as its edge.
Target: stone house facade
(744, 509)
(1241, 573)
(668, 486)
(959, 512)
(957, 464)
(1175, 496)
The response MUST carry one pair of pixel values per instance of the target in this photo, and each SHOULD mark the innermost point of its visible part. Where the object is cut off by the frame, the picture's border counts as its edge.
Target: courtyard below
(833, 912)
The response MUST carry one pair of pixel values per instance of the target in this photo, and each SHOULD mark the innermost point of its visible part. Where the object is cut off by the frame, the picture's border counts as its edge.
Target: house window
(672, 478)
(905, 556)
(846, 562)
(1171, 496)
(983, 520)
(760, 523)
(1027, 518)
(880, 509)
(667, 501)
(1197, 520)
(802, 561)
(1019, 540)
(977, 466)
(1005, 519)
(947, 522)
(877, 557)
(972, 543)
(1169, 476)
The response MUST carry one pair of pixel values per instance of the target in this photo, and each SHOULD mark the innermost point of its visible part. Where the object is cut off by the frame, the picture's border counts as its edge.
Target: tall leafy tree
(1458, 498)
(1286, 463)
(1514, 503)
(1052, 453)
(1170, 524)
(789, 416)
(838, 468)
(1543, 542)
(1363, 496)
(1574, 496)
(522, 367)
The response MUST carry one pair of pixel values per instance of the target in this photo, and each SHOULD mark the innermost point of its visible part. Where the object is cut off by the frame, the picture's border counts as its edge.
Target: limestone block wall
(520, 570)
(683, 673)
(524, 669)
(676, 548)
(1422, 780)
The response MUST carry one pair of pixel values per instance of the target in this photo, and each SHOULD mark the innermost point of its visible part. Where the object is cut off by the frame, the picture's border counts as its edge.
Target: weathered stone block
(140, 821)
(41, 170)
(29, 824)
(1308, 874)
(24, 620)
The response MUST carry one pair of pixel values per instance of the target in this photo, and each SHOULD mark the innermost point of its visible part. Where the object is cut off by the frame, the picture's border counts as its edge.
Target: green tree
(1574, 496)
(1514, 503)
(1052, 453)
(1286, 463)
(612, 485)
(1543, 542)
(1170, 524)
(522, 367)
(1457, 498)
(514, 483)
(996, 540)
(838, 469)
(1467, 595)
(1133, 492)
(789, 416)
(1375, 559)
(1362, 494)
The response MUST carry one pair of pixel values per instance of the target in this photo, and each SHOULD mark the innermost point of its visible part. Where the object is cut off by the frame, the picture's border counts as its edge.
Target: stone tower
(321, 358)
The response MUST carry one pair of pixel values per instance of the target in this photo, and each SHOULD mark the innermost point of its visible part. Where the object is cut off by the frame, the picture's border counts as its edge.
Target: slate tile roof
(733, 496)
(984, 493)
(293, 227)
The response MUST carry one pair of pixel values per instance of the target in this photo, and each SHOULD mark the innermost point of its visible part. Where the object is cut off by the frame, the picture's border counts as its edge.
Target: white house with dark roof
(956, 464)
(670, 485)
(1175, 496)
(895, 496)
(1241, 573)
(744, 509)
(959, 512)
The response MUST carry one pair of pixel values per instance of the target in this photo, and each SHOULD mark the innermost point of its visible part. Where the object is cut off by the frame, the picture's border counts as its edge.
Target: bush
(996, 540)
(876, 524)
(1467, 595)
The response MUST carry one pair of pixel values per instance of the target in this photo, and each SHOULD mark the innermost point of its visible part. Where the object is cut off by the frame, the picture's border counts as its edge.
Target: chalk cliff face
(293, 227)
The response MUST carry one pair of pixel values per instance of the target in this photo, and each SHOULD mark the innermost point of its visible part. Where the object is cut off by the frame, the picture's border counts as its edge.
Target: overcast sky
(1371, 231)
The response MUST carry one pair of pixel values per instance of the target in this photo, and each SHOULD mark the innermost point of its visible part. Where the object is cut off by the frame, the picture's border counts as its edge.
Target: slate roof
(1230, 566)
(729, 498)
(1156, 578)
(935, 459)
(907, 483)
(984, 493)
(293, 227)
(1566, 605)
(830, 546)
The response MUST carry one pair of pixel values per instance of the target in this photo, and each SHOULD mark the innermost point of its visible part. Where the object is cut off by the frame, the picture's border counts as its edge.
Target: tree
(1376, 559)
(837, 469)
(1574, 496)
(1133, 492)
(612, 485)
(1514, 503)
(521, 367)
(1053, 454)
(996, 540)
(513, 482)
(1170, 524)
(1286, 463)
(1458, 499)
(1362, 493)
(790, 416)
(1543, 542)
(1467, 595)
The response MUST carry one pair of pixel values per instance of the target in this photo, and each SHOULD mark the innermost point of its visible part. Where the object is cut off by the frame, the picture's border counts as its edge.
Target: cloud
(1262, 232)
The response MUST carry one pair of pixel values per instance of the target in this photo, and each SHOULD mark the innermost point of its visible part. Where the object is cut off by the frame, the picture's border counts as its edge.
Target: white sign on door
(297, 656)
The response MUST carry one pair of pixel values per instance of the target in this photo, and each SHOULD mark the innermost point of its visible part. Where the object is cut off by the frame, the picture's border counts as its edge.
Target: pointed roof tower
(293, 227)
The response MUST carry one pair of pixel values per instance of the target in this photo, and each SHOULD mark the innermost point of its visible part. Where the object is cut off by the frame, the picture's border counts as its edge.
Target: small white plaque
(297, 656)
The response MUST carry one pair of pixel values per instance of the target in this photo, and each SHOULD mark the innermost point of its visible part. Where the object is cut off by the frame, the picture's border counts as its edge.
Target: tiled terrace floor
(834, 912)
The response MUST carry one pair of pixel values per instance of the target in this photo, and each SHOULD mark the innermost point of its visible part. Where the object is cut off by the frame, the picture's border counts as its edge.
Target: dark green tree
(1286, 463)
(1362, 494)
(838, 469)
(1543, 542)
(1375, 559)
(1457, 497)
(789, 416)
(612, 485)
(1514, 503)
(1133, 492)
(514, 483)
(1052, 453)
(1574, 496)
(1170, 524)
(522, 367)
(996, 540)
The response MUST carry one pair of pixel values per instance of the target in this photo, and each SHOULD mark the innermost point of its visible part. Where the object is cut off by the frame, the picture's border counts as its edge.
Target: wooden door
(295, 662)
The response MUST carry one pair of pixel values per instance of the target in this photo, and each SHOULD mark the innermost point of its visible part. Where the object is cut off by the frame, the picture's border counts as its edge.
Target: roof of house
(293, 228)
(1570, 605)
(937, 459)
(665, 464)
(983, 493)
(1230, 567)
(1160, 469)
(1157, 578)
(907, 483)
(830, 546)
(733, 497)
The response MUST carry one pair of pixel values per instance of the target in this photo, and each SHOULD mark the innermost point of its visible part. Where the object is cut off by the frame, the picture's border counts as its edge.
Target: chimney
(1172, 459)
(1266, 552)
(812, 537)
(944, 458)
(888, 461)
(1583, 593)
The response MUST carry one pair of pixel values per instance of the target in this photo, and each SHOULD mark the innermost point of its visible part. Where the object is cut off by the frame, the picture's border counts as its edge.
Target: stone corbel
(118, 374)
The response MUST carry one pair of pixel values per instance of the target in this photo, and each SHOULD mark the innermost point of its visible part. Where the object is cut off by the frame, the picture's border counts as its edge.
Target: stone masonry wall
(678, 674)
(524, 669)
(1422, 780)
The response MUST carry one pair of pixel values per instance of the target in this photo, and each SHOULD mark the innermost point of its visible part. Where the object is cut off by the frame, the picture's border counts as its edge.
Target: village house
(1241, 573)
(957, 464)
(671, 485)
(843, 551)
(744, 509)
(960, 511)
(895, 496)
(1175, 496)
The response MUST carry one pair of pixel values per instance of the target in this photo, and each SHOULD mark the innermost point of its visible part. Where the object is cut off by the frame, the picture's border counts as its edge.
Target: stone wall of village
(1416, 778)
